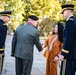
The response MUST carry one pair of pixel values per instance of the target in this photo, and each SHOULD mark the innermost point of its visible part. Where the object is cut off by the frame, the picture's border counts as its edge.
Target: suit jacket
(23, 42)
(56, 48)
(69, 44)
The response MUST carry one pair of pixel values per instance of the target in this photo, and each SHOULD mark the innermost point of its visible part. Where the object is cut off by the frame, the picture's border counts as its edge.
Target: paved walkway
(9, 62)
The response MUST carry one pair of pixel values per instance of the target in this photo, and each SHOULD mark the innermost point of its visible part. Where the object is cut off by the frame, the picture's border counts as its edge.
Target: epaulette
(70, 19)
(4, 24)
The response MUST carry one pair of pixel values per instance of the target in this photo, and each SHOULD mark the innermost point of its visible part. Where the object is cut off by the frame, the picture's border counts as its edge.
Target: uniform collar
(69, 17)
(2, 22)
(31, 24)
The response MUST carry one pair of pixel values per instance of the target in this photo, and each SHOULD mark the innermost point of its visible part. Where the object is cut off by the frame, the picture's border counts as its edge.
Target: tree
(17, 7)
(48, 11)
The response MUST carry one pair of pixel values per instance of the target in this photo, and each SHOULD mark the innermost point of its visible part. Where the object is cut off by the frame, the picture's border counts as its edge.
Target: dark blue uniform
(3, 32)
(69, 46)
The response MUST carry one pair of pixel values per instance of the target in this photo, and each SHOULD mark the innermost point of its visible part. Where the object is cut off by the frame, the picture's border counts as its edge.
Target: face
(35, 23)
(6, 19)
(65, 14)
(56, 29)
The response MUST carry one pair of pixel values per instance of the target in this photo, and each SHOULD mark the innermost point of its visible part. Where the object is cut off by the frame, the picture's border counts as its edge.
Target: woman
(54, 46)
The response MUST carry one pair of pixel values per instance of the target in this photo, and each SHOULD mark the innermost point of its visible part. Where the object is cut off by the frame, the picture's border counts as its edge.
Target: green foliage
(47, 10)
(46, 26)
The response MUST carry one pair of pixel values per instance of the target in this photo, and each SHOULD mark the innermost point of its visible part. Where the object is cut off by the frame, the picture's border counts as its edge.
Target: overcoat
(69, 44)
(3, 33)
(52, 67)
(23, 42)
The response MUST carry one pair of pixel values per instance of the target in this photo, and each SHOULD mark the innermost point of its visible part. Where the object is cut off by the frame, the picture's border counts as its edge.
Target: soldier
(23, 45)
(4, 18)
(68, 54)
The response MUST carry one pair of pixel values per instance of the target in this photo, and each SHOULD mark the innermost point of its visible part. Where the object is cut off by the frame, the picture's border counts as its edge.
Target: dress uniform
(69, 45)
(3, 33)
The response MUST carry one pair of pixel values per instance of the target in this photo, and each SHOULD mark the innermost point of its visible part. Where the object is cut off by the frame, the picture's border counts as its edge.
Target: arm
(69, 34)
(58, 52)
(3, 33)
(14, 40)
(37, 41)
(45, 44)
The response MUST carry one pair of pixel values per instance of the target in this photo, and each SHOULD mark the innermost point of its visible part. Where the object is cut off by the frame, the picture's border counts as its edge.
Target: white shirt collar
(68, 18)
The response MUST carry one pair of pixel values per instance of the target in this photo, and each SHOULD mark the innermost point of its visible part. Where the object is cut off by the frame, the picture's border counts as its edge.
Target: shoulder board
(70, 19)
(4, 24)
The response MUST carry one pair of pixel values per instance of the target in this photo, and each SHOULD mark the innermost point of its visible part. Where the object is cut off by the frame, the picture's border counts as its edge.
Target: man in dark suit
(68, 54)
(4, 18)
(23, 43)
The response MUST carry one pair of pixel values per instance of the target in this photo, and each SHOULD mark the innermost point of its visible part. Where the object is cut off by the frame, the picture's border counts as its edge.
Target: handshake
(59, 57)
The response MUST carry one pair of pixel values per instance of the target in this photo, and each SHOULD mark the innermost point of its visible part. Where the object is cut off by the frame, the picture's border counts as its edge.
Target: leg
(61, 67)
(27, 66)
(75, 66)
(70, 67)
(67, 68)
(19, 66)
(1, 64)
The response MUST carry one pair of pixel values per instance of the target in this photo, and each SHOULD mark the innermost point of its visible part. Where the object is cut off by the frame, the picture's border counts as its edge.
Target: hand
(56, 59)
(1, 55)
(43, 47)
(61, 57)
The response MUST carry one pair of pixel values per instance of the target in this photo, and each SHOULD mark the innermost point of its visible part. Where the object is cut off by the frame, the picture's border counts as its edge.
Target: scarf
(51, 45)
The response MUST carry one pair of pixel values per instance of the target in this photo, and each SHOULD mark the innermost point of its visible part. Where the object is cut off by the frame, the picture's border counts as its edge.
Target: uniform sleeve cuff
(1, 52)
(64, 53)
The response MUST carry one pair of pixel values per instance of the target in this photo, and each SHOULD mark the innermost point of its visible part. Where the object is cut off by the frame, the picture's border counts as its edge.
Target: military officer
(24, 39)
(68, 54)
(4, 18)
